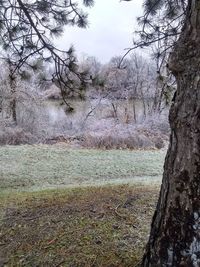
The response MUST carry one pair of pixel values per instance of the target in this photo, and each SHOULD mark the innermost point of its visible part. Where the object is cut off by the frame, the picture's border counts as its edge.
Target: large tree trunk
(175, 233)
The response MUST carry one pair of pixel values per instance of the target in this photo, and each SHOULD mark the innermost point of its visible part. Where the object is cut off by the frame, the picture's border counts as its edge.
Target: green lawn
(40, 167)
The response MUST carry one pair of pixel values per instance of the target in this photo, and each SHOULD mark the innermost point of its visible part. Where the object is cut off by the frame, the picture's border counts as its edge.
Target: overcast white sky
(110, 31)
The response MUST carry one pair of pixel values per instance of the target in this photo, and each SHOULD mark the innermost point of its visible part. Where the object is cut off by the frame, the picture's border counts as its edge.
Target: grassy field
(82, 221)
(40, 167)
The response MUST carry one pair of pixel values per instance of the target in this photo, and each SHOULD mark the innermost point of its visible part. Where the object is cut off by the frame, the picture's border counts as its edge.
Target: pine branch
(26, 31)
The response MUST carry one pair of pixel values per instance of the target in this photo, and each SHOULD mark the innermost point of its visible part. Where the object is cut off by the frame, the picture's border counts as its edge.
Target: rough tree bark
(175, 233)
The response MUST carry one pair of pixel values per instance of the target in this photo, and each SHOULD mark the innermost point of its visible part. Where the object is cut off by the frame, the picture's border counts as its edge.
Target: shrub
(15, 136)
(135, 141)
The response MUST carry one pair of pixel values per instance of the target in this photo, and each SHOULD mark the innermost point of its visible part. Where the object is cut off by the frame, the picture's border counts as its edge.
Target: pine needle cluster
(27, 30)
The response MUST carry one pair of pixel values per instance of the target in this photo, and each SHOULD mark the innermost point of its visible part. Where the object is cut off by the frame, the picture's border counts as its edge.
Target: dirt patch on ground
(91, 227)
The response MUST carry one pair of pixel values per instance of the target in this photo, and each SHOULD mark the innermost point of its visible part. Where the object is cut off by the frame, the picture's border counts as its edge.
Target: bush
(15, 136)
(135, 141)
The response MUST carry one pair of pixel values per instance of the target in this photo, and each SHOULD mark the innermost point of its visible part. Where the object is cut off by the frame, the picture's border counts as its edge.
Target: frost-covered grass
(38, 167)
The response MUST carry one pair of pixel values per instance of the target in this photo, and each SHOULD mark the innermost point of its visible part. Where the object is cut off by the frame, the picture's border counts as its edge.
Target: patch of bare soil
(91, 227)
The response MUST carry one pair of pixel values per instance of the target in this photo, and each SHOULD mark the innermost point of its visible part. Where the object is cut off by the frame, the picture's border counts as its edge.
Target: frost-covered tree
(136, 77)
(115, 78)
(92, 66)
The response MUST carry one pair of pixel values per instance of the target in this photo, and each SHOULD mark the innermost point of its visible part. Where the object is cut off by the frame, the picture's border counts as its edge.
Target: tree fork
(175, 233)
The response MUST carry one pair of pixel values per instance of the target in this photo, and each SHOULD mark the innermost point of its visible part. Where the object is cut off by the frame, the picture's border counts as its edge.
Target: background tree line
(132, 94)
